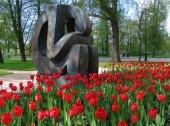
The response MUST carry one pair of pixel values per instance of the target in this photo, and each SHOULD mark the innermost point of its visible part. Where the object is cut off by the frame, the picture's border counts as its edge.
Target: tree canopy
(120, 27)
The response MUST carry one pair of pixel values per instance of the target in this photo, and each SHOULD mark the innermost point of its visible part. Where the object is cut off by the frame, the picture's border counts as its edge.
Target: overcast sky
(168, 21)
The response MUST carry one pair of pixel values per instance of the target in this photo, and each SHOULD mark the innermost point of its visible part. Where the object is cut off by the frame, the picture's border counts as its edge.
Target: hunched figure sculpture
(61, 40)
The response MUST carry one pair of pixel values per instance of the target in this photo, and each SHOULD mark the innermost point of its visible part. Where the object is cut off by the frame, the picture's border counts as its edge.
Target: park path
(19, 76)
(16, 78)
(24, 76)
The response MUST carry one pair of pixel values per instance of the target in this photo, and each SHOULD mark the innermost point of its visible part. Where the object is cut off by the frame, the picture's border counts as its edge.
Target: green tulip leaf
(158, 120)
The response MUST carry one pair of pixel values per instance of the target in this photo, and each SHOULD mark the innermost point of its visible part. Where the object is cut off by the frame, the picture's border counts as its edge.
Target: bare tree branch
(26, 22)
(34, 5)
(29, 29)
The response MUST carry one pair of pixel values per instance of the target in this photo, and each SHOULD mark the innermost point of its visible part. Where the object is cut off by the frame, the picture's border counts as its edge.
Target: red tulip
(71, 113)
(1, 82)
(27, 91)
(21, 88)
(7, 95)
(17, 111)
(41, 115)
(20, 84)
(6, 118)
(73, 92)
(50, 82)
(119, 81)
(101, 114)
(38, 97)
(48, 89)
(89, 86)
(3, 91)
(14, 88)
(59, 93)
(166, 88)
(87, 96)
(93, 102)
(125, 89)
(55, 76)
(132, 89)
(16, 97)
(32, 105)
(134, 118)
(161, 97)
(112, 98)
(134, 107)
(100, 94)
(119, 89)
(152, 113)
(124, 97)
(39, 80)
(32, 77)
(76, 109)
(29, 84)
(119, 74)
(2, 102)
(67, 97)
(115, 107)
(39, 88)
(122, 123)
(47, 113)
(151, 87)
(140, 95)
(10, 85)
(54, 112)
(108, 80)
(98, 83)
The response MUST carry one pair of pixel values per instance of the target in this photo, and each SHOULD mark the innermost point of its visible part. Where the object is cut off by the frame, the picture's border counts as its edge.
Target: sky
(168, 21)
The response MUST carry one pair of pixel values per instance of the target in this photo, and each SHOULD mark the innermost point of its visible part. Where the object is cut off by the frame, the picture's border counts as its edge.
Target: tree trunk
(140, 35)
(115, 43)
(111, 11)
(16, 51)
(102, 49)
(22, 48)
(107, 45)
(16, 20)
(20, 33)
(140, 46)
(8, 46)
(153, 53)
(146, 43)
(38, 8)
(1, 57)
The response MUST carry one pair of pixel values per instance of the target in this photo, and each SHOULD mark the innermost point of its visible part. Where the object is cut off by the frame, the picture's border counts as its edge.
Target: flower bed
(131, 94)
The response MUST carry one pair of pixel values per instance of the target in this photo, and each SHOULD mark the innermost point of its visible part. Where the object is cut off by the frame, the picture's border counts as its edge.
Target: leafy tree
(110, 9)
(102, 34)
(128, 37)
(7, 35)
(156, 30)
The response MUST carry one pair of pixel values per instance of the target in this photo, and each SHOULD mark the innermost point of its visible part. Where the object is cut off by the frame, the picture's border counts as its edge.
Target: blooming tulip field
(130, 94)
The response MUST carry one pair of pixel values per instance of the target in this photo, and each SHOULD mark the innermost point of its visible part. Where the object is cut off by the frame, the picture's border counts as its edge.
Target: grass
(17, 65)
(104, 64)
(3, 73)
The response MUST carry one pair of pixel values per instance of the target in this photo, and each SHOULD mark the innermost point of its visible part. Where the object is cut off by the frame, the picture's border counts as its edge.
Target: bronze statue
(61, 40)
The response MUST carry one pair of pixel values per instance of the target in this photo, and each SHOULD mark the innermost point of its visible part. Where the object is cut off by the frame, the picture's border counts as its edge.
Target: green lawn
(17, 65)
(104, 64)
(2, 73)
(28, 66)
